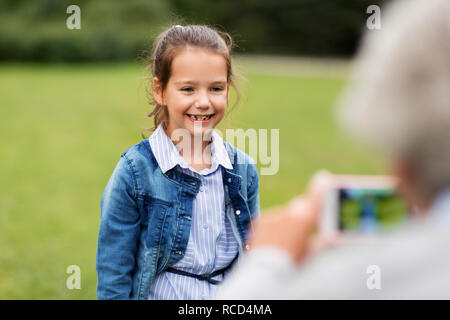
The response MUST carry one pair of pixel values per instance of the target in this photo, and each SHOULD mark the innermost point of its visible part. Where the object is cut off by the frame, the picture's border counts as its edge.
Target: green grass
(63, 128)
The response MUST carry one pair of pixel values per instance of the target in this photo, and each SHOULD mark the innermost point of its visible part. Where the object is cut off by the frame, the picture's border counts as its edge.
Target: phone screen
(369, 210)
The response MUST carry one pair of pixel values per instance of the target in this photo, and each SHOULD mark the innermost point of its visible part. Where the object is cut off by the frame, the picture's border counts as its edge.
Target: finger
(320, 182)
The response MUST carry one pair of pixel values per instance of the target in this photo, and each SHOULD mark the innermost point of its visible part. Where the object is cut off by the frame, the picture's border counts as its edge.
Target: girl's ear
(157, 91)
(228, 91)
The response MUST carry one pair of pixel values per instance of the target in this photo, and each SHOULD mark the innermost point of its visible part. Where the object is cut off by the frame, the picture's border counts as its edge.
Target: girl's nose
(203, 101)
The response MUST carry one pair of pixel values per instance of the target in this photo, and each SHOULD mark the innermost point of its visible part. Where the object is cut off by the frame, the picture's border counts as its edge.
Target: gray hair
(399, 94)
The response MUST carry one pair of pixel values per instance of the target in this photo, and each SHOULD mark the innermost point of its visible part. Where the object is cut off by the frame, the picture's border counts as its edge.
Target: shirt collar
(168, 157)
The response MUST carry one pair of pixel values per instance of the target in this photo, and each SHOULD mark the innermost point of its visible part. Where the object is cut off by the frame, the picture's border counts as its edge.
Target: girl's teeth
(199, 118)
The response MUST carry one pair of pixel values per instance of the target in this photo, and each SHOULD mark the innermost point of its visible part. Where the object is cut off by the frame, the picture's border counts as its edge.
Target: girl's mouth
(200, 118)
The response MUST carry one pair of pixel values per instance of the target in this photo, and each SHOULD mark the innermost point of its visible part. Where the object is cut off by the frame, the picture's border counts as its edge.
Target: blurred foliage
(121, 30)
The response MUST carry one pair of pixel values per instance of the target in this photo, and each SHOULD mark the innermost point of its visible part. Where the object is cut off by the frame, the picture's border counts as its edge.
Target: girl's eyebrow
(220, 82)
(195, 82)
(185, 82)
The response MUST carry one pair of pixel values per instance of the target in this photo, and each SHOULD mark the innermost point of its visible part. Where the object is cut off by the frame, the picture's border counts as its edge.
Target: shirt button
(205, 226)
(238, 212)
(202, 189)
(203, 297)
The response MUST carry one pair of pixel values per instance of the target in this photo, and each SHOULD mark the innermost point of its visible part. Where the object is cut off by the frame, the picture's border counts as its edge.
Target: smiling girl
(176, 210)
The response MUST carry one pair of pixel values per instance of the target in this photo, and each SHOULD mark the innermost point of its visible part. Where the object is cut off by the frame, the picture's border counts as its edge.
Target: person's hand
(289, 227)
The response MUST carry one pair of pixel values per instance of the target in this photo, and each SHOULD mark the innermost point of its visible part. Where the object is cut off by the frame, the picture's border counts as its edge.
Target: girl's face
(197, 92)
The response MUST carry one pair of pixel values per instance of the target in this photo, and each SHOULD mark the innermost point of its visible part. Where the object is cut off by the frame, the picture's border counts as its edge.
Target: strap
(205, 276)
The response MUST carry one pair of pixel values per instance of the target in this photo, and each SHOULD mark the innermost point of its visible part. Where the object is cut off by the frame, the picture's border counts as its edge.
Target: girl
(175, 212)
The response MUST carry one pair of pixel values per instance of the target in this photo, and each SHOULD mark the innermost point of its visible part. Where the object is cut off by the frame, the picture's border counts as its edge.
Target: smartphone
(362, 205)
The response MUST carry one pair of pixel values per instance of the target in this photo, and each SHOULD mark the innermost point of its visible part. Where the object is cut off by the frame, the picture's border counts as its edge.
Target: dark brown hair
(171, 42)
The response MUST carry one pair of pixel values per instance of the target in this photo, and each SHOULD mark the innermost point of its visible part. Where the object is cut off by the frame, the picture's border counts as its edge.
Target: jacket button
(229, 179)
(238, 212)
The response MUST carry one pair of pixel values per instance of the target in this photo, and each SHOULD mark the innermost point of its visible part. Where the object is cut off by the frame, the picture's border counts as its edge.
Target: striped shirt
(212, 245)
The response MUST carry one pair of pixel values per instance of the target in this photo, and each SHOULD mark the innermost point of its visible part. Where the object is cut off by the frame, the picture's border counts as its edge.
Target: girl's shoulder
(139, 155)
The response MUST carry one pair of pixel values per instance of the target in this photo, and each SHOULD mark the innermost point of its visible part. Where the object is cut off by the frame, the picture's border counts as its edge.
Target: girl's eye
(217, 89)
(187, 89)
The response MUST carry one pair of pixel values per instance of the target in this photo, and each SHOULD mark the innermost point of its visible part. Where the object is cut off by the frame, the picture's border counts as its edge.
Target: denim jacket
(146, 217)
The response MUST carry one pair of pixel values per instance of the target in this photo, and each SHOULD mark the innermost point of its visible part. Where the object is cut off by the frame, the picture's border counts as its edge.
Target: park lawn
(63, 128)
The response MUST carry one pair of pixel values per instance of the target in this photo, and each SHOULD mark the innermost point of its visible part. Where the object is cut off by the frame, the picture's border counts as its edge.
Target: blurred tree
(325, 27)
(118, 30)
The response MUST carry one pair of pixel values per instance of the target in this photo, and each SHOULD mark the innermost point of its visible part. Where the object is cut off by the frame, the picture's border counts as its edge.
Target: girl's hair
(174, 40)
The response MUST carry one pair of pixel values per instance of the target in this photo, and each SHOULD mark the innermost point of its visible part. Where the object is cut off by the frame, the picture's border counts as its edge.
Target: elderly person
(400, 102)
